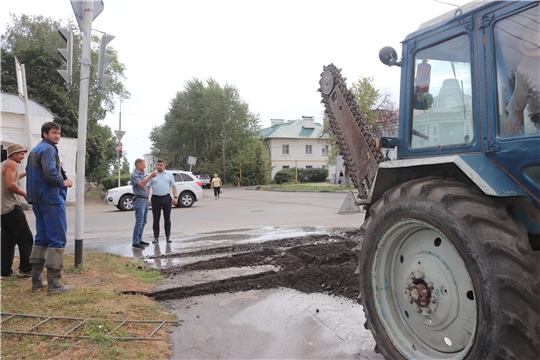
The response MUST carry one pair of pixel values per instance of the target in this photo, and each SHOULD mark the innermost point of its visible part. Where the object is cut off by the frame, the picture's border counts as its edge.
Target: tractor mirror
(388, 56)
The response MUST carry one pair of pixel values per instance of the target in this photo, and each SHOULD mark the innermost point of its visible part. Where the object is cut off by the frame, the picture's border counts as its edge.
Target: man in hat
(46, 185)
(15, 229)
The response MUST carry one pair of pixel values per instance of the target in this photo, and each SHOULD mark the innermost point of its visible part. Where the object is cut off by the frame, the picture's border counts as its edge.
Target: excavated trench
(310, 264)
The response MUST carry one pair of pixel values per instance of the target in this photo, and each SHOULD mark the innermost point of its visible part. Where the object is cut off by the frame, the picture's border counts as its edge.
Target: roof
(11, 103)
(459, 13)
(292, 129)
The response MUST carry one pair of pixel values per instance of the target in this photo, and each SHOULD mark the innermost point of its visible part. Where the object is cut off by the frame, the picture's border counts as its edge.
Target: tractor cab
(471, 87)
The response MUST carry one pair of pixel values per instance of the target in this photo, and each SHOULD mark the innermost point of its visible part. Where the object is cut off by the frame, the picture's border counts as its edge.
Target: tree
(34, 40)
(377, 108)
(213, 124)
(125, 166)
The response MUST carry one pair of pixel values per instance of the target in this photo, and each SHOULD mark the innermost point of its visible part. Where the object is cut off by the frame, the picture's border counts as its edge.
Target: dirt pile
(311, 264)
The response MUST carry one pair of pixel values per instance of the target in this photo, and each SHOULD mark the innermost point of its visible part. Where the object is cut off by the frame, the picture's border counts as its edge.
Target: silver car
(189, 190)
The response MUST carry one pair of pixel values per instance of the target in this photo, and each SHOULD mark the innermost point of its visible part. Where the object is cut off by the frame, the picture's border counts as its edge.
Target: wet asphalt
(258, 324)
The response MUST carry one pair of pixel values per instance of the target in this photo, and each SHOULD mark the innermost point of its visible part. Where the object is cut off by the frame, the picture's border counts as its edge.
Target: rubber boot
(37, 259)
(54, 265)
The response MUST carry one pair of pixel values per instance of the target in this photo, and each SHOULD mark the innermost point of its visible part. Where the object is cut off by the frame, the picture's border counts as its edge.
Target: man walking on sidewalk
(15, 229)
(46, 187)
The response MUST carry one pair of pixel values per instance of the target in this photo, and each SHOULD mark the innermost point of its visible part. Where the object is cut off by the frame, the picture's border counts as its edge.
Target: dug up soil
(310, 264)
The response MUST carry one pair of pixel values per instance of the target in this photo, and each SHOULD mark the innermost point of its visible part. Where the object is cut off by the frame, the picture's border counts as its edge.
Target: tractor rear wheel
(446, 273)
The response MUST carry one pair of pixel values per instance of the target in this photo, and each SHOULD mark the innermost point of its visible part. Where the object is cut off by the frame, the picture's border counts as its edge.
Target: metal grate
(8, 319)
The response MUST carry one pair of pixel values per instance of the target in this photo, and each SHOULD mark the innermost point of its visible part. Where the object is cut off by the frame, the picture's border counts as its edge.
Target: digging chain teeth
(339, 82)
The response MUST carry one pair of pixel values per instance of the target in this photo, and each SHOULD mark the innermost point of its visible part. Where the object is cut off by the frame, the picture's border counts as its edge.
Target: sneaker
(169, 240)
(137, 246)
(155, 240)
(23, 274)
(144, 243)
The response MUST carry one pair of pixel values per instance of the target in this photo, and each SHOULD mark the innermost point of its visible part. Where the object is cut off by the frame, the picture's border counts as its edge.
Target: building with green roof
(296, 143)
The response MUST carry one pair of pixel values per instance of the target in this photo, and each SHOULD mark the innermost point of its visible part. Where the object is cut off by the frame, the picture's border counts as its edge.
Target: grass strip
(99, 282)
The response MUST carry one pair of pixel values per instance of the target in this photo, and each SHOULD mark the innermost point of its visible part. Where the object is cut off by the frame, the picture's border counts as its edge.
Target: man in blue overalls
(46, 188)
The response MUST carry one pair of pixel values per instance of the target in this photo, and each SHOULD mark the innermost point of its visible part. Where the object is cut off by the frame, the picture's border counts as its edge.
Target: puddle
(201, 241)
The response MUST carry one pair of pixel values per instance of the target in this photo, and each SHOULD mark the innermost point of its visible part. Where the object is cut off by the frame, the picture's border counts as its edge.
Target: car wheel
(185, 200)
(126, 203)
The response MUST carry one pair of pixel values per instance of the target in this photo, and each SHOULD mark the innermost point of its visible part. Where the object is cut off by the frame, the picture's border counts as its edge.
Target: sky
(272, 51)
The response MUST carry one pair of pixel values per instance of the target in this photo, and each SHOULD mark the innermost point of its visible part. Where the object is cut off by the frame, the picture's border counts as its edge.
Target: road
(255, 212)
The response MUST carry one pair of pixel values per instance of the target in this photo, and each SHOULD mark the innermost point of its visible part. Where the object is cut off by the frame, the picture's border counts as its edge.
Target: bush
(283, 176)
(312, 175)
(112, 181)
(304, 175)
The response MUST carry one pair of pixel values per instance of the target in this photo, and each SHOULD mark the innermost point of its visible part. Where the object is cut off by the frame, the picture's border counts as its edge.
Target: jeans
(15, 231)
(165, 203)
(141, 212)
(51, 225)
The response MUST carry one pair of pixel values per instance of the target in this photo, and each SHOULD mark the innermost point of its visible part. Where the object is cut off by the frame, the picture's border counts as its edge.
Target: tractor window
(518, 81)
(442, 101)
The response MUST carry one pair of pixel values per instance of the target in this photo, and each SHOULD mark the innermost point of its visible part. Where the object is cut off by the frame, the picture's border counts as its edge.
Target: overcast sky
(271, 51)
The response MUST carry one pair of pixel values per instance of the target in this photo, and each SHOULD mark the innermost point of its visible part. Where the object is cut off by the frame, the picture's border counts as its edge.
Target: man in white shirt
(161, 186)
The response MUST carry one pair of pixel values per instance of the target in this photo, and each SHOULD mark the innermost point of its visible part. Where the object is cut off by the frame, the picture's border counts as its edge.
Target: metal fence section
(76, 329)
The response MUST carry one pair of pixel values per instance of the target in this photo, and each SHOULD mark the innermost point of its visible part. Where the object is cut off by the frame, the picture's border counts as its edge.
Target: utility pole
(119, 134)
(88, 17)
(223, 148)
(119, 141)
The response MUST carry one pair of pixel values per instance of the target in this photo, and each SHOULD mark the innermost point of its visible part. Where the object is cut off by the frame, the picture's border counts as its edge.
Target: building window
(309, 167)
(309, 149)
(325, 150)
(285, 149)
(285, 167)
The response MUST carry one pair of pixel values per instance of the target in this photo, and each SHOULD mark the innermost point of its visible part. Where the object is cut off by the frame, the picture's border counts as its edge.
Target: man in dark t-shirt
(140, 202)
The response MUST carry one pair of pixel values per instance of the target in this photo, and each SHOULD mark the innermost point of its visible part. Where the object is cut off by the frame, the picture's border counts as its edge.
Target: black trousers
(158, 203)
(15, 231)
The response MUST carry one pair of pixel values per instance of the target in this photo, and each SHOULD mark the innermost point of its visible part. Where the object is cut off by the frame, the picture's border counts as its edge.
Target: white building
(296, 143)
(14, 130)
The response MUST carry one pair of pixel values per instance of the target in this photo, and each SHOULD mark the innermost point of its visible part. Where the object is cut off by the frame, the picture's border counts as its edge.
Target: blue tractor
(449, 263)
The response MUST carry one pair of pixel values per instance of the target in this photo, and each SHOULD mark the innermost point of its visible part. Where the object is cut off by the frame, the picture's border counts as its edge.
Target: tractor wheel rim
(423, 292)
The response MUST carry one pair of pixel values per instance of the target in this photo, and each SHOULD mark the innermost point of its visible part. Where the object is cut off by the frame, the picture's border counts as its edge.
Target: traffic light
(103, 60)
(67, 54)
(119, 152)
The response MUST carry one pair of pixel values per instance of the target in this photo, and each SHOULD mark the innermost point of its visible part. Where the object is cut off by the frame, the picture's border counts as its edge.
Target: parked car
(205, 180)
(189, 190)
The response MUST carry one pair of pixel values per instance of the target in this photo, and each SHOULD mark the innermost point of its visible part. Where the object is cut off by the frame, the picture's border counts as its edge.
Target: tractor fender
(475, 169)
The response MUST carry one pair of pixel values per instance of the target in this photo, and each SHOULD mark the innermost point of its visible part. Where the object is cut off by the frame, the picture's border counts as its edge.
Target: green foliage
(285, 176)
(304, 175)
(213, 124)
(34, 41)
(377, 109)
(366, 95)
(112, 182)
(312, 175)
(125, 166)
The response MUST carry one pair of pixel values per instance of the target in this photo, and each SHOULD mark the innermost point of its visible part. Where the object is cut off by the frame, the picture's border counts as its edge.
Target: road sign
(119, 134)
(192, 160)
(78, 9)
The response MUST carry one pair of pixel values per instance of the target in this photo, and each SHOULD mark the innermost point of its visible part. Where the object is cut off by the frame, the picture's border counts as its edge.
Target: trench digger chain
(356, 142)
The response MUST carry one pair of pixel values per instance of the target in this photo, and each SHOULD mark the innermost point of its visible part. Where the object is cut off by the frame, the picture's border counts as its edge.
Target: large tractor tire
(447, 273)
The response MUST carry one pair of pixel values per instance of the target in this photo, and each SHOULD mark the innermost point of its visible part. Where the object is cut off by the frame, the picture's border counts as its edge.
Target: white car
(188, 187)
